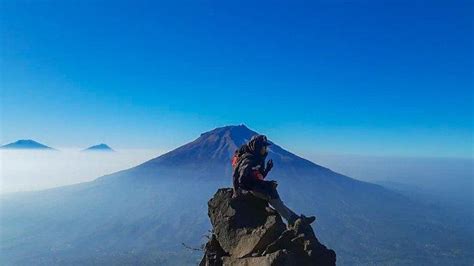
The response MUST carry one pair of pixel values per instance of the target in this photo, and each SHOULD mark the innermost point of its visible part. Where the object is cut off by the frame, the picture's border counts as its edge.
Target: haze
(34, 170)
(447, 180)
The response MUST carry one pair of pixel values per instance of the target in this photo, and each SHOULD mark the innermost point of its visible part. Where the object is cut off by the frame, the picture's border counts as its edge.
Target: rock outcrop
(246, 231)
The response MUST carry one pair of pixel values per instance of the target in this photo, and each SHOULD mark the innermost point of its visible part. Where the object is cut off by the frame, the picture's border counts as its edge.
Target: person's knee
(261, 195)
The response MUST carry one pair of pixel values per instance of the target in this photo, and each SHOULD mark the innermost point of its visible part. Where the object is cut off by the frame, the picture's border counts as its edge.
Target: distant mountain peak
(25, 144)
(218, 145)
(235, 135)
(231, 128)
(99, 147)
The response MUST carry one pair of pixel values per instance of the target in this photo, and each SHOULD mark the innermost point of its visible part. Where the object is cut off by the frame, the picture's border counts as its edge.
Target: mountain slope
(26, 144)
(142, 215)
(99, 147)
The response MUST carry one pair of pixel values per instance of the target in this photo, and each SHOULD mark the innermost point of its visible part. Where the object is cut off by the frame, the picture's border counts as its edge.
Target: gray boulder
(246, 231)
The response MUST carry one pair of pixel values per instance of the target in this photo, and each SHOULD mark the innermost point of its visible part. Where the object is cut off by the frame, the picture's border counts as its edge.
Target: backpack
(235, 158)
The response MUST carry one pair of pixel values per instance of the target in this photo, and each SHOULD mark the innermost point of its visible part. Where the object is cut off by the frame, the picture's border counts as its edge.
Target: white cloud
(23, 170)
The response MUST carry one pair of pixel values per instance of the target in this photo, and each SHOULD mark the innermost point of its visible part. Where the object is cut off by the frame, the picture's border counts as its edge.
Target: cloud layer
(33, 170)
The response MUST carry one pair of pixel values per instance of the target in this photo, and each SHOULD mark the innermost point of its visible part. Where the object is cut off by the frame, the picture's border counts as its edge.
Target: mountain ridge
(215, 148)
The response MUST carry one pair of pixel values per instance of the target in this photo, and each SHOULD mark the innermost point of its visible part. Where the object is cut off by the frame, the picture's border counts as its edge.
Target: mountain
(99, 147)
(142, 215)
(26, 144)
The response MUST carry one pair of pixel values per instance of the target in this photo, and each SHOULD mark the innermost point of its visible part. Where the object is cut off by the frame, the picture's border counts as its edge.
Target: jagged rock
(214, 252)
(243, 226)
(277, 258)
(247, 232)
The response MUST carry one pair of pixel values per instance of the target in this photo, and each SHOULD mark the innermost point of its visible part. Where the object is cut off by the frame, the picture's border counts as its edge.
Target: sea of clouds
(25, 170)
(450, 179)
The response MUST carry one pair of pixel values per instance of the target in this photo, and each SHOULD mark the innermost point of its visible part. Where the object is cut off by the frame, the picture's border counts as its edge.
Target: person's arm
(241, 170)
(235, 183)
(268, 168)
(244, 170)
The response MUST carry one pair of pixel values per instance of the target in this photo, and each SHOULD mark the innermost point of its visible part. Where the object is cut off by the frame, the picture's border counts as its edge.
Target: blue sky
(362, 77)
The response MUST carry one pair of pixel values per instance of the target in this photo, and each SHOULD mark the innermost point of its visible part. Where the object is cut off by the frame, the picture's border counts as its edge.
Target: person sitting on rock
(249, 172)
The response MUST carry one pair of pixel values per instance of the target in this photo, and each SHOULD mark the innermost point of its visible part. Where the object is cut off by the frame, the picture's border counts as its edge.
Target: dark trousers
(266, 191)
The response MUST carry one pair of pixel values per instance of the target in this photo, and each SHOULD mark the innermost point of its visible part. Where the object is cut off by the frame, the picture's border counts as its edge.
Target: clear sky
(363, 77)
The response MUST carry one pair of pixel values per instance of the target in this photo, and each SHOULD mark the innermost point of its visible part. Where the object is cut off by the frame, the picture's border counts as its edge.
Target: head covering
(257, 142)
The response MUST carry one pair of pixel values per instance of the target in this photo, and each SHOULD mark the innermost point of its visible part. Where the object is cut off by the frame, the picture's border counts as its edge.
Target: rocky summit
(246, 231)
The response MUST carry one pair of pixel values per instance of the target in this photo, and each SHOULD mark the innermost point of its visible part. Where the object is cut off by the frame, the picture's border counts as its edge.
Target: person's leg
(266, 191)
(282, 209)
(260, 194)
(269, 193)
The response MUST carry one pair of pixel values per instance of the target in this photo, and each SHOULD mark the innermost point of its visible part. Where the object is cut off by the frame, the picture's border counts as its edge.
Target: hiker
(249, 172)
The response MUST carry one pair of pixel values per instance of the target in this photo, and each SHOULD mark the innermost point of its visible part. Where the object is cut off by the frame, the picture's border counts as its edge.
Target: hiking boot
(308, 220)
